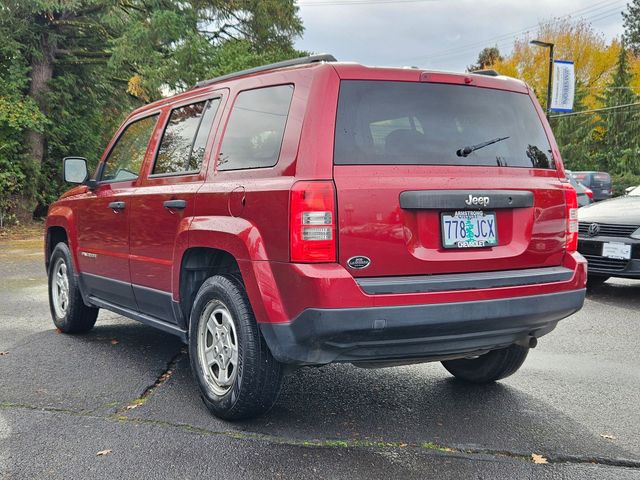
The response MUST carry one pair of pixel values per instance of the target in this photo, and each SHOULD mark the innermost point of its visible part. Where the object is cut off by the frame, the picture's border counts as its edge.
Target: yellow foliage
(594, 58)
(135, 88)
(634, 68)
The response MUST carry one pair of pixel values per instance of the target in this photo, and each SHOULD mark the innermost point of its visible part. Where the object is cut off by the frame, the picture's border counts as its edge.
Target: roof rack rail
(489, 73)
(324, 57)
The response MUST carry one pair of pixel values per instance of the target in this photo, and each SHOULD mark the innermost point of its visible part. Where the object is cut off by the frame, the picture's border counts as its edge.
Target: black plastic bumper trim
(321, 336)
(463, 281)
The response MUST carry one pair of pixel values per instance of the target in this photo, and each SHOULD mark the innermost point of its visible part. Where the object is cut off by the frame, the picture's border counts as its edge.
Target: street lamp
(540, 43)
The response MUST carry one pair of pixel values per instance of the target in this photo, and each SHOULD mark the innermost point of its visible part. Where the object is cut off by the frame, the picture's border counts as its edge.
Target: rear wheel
(490, 367)
(596, 280)
(237, 375)
(68, 310)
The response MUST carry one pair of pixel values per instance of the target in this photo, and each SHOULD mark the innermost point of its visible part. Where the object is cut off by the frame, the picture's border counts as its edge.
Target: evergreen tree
(488, 57)
(631, 19)
(620, 125)
(574, 134)
(70, 70)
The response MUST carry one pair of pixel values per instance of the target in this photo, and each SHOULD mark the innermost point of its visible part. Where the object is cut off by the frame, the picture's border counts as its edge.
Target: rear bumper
(434, 331)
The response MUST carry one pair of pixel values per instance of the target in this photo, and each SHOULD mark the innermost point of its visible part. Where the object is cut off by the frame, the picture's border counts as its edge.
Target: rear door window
(256, 127)
(413, 123)
(185, 137)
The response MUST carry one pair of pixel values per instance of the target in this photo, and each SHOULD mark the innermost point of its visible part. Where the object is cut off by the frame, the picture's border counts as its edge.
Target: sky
(437, 34)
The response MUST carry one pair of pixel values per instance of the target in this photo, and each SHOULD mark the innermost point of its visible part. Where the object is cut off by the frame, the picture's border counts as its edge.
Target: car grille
(606, 264)
(608, 229)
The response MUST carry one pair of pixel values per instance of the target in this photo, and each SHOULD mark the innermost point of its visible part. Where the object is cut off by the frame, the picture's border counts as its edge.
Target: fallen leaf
(539, 459)
(114, 342)
(102, 453)
(403, 445)
(2, 354)
(608, 437)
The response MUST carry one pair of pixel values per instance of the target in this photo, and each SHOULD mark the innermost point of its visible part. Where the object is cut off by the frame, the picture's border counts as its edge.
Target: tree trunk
(41, 73)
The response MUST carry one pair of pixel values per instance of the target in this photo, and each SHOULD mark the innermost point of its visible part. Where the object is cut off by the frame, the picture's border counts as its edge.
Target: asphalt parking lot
(125, 391)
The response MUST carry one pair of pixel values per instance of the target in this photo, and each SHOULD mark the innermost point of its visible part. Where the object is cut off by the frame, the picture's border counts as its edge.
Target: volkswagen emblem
(594, 230)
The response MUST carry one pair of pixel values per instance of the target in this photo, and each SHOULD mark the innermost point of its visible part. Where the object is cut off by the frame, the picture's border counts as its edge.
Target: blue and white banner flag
(564, 86)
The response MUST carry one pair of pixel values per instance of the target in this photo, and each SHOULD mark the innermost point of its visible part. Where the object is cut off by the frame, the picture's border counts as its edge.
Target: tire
(490, 367)
(594, 281)
(68, 310)
(222, 322)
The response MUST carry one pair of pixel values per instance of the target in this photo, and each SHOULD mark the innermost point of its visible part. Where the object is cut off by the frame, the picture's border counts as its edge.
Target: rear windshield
(597, 178)
(381, 123)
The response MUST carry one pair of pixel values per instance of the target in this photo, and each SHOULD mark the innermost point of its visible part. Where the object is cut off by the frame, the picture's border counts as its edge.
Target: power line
(615, 107)
(590, 13)
(309, 3)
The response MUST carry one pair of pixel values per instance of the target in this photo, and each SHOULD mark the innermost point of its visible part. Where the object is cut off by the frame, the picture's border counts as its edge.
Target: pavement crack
(437, 449)
(160, 380)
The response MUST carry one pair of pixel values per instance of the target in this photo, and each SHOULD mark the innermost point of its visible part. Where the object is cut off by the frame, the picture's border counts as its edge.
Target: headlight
(636, 234)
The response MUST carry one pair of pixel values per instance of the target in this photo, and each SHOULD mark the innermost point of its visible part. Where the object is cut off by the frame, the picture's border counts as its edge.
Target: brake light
(313, 222)
(571, 201)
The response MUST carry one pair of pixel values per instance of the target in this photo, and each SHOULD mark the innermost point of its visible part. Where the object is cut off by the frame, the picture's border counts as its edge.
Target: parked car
(598, 182)
(310, 212)
(610, 237)
(585, 194)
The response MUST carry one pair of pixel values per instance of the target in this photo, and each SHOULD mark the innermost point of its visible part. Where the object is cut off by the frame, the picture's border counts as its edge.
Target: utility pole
(548, 45)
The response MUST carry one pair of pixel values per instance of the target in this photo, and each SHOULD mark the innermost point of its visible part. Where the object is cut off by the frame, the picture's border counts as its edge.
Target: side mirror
(74, 170)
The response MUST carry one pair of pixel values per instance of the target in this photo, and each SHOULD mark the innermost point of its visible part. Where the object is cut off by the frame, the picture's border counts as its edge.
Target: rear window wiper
(465, 151)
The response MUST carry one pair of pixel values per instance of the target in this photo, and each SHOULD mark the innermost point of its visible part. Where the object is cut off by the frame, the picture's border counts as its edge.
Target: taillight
(571, 201)
(313, 222)
(588, 192)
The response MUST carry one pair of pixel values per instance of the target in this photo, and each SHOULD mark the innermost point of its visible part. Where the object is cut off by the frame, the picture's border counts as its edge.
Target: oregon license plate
(469, 229)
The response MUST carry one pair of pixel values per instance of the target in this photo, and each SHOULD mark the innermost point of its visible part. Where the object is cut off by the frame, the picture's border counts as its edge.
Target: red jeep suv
(310, 211)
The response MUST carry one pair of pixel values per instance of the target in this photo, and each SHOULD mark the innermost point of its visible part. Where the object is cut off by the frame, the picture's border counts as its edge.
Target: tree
(593, 57)
(631, 20)
(77, 67)
(575, 135)
(621, 125)
(486, 59)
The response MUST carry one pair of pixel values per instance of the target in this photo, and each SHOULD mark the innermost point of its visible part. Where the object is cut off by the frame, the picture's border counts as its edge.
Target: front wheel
(69, 313)
(490, 367)
(237, 375)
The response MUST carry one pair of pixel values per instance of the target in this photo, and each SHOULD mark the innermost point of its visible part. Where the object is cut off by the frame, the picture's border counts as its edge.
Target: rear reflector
(571, 201)
(313, 230)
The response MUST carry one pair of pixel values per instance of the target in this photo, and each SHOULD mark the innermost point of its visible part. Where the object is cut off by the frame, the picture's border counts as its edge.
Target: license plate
(469, 229)
(620, 251)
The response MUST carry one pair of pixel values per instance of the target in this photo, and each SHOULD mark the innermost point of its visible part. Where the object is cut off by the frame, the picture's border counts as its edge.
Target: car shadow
(103, 371)
(617, 292)
(415, 405)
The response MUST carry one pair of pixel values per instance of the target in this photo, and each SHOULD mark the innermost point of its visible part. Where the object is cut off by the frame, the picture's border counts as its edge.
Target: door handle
(117, 206)
(175, 204)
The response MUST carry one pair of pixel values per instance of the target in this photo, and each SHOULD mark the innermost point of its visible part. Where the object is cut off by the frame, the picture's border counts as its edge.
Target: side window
(256, 126)
(185, 138)
(125, 158)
